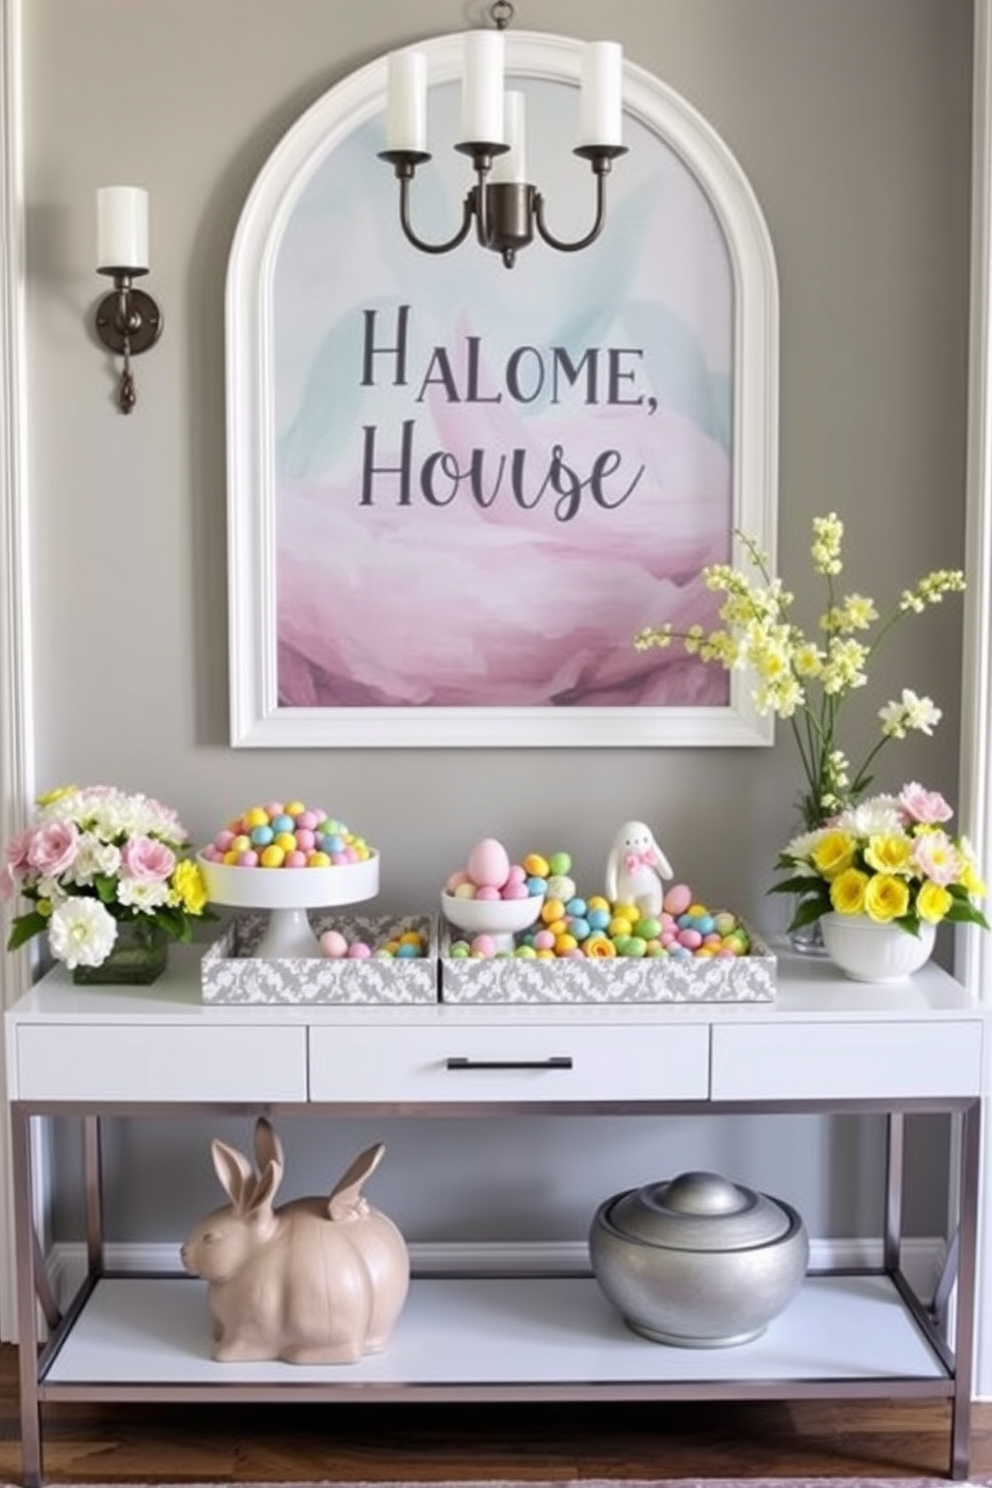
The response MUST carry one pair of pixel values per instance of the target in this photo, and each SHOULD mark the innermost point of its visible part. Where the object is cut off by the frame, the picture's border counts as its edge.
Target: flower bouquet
(97, 865)
(807, 680)
(891, 859)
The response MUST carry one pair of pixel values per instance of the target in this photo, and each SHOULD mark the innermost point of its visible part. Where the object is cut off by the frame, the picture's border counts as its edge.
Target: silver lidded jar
(698, 1261)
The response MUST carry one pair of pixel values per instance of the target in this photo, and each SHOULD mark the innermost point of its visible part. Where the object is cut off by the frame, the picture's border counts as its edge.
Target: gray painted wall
(851, 119)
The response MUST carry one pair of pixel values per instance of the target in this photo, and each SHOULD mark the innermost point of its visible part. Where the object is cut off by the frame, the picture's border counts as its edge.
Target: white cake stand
(287, 893)
(500, 918)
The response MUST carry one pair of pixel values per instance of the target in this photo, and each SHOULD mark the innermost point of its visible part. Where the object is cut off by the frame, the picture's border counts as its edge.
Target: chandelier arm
(468, 211)
(590, 236)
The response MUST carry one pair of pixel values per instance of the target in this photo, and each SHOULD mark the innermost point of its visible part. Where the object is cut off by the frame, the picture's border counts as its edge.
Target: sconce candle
(128, 320)
(601, 106)
(406, 106)
(512, 166)
(482, 91)
(122, 228)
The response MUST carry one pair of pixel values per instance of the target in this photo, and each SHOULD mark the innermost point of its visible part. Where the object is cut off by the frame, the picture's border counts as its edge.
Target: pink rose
(146, 860)
(924, 806)
(16, 851)
(53, 848)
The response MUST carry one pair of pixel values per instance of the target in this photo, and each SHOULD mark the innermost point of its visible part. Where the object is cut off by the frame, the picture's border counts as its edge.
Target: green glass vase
(139, 957)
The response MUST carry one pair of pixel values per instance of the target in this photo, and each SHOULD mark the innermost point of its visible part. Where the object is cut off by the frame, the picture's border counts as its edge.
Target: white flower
(878, 816)
(910, 712)
(143, 896)
(81, 932)
(93, 857)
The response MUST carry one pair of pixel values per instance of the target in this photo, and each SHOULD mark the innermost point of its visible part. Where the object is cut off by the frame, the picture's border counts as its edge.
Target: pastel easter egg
(333, 944)
(517, 874)
(453, 880)
(272, 808)
(560, 886)
(579, 927)
(318, 859)
(308, 820)
(295, 859)
(724, 922)
(514, 890)
(536, 865)
(537, 887)
(544, 940)
(677, 899)
(487, 893)
(248, 859)
(359, 951)
(484, 945)
(489, 863)
(272, 856)
(597, 919)
(690, 938)
(560, 862)
(464, 890)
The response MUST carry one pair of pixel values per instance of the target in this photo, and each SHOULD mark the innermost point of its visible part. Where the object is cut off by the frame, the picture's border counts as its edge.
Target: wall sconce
(506, 208)
(128, 320)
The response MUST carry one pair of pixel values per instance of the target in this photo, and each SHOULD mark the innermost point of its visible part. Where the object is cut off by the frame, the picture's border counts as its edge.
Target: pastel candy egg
(257, 816)
(724, 922)
(308, 820)
(484, 945)
(517, 874)
(525, 952)
(574, 906)
(318, 860)
(489, 863)
(305, 839)
(487, 892)
(560, 886)
(333, 944)
(224, 839)
(293, 808)
(598, 919)
(690, 938)
(262, 836)
(536, 865)
(536, 885)
(407, 951)
(464, 890)
(248, 859)
(515, 890)
(359, 951)
(560, 862)
(544, 940)
(578, 927)
(272, 808)
(272, 856)
(295, 859)
(677, 899)
(453, 880)
(240, 843)
(282, 823)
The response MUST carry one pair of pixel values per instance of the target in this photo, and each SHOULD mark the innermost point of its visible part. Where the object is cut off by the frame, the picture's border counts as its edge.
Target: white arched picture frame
(260, 714)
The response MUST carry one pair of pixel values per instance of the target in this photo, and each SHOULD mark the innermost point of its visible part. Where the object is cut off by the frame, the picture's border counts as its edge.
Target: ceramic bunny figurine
(316, 1281)
(636, 868)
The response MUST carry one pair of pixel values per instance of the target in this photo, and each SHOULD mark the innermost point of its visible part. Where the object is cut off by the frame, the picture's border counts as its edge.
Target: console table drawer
(135, 1062)
(816, 1061)
(533, 1064)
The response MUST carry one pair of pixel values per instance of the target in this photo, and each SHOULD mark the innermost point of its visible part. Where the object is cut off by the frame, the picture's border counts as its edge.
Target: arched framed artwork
(457, 490)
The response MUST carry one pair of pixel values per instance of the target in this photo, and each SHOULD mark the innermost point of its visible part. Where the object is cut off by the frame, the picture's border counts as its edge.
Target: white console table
(825, 1045)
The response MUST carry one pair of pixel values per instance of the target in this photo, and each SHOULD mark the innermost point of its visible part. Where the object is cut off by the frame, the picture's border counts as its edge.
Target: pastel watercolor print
(487, 480)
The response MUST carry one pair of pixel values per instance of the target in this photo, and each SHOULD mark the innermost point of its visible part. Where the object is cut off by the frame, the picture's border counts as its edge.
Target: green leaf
(799, 884)
(24, 927)
(806, 912)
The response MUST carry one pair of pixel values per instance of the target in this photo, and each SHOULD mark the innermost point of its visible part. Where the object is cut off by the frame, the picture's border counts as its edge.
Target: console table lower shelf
(504, 1338)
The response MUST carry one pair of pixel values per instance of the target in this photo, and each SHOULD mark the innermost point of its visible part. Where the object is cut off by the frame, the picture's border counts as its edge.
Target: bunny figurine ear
(344, 1197)
(268, 1148)
(234, 1172)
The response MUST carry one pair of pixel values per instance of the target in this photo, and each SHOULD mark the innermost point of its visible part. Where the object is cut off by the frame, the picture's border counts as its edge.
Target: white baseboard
(922, 1259)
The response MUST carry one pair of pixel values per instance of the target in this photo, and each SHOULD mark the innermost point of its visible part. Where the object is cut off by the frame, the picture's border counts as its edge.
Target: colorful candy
(286, 835)
(490, 874)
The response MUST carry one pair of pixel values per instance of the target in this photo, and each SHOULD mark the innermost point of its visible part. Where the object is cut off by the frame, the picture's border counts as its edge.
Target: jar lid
(698, 1211)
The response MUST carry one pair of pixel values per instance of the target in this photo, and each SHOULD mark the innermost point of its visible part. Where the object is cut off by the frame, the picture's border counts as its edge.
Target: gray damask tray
(748, 978)
(230, 973)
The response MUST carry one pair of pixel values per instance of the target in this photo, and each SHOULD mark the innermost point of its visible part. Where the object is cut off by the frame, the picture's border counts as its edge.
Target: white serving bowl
(290, 888)
(500, 918)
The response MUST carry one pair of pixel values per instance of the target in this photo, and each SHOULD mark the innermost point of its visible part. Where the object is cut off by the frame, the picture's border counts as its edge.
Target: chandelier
(507, 209)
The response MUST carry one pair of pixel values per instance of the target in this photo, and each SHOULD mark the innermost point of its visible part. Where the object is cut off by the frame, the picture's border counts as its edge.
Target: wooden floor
(207, 1443)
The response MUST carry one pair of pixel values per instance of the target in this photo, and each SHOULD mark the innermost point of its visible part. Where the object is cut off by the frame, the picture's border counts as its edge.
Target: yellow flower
(847, 892)
(932, 902)
(188, 887)
(886, 897)
(50, 797)
(890, 854)
(834, 854)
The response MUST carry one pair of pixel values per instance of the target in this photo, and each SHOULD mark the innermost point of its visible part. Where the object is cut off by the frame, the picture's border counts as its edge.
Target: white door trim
(16, 732)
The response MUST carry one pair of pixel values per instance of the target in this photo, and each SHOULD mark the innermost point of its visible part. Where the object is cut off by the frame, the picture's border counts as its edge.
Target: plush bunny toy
(317, 1281)
(636, 867)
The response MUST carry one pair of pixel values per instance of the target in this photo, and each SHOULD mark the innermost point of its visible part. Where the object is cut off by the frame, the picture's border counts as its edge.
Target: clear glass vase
(808, 940)
(139, 957)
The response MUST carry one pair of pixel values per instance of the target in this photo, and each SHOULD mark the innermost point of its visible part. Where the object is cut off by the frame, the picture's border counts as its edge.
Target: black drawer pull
(557, 1061)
